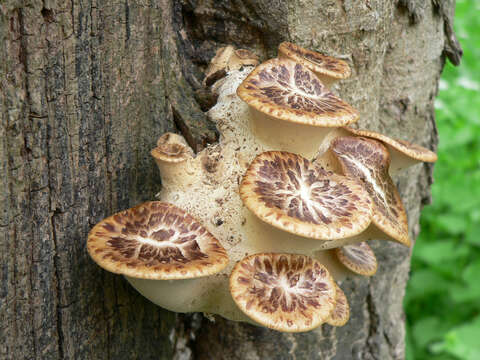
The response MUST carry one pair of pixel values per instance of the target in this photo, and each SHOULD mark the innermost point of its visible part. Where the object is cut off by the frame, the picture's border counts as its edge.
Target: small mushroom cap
(414, 151)
(172, 148)
(155, 240)
(341, 312)
(322, 64)
(226, 59)
(289, 192)
(288, 91)
(358, 258)
(368, 161)
(285, 292)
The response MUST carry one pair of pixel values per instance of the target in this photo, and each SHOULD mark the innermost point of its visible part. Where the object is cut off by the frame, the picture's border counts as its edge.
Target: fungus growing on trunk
(288, 103)
(358, 258)
(263, 158)
(284, 292)
(289, 192)
(341, 312)
(155, 240)
(327, 68)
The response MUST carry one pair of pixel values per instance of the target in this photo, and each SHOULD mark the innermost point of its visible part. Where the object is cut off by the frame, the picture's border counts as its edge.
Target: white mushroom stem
(296, 138)
(184, 174)
(175, 161)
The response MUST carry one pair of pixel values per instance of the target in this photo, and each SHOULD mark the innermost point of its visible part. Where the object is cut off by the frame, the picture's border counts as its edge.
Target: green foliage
(443, 295)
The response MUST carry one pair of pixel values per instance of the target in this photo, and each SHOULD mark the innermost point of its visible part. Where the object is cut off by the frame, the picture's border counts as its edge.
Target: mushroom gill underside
(261, 226)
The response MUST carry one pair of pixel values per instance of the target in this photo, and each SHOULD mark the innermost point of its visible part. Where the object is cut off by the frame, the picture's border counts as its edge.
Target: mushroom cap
(285, 292)
(155, 240)
(341, 312)
(322, 64)
(226, 59)
(368, 160)
(291, 193)
(358, 258)
(172, 148)
(288, 91)
(414, 151)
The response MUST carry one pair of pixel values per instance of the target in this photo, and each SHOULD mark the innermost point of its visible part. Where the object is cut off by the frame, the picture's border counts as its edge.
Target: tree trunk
(87, 87)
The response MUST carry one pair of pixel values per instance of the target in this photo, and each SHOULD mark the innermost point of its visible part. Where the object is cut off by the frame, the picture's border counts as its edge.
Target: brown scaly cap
(292, 194)
(322, 64)
(288, 91)
(172, 148)
(358, 258)
(368, 161)
(414, 151)
(341, 312)
(155, 240)
(226, 59)
(284, 292)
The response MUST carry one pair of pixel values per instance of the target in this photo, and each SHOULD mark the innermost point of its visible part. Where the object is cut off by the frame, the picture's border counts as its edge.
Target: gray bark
(87, 86)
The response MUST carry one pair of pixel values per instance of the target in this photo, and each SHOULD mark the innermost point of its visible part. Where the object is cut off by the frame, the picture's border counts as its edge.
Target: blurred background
(442, 301)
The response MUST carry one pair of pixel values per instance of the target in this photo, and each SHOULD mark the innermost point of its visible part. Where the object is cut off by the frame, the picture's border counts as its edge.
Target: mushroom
(327, 68)
(402, 153)
(368, 161)
(290, 193)
(358, 258)
(156, 241)
(285, 292)
(291, 110)
(175, 161)
(226, 59)
(341, 312)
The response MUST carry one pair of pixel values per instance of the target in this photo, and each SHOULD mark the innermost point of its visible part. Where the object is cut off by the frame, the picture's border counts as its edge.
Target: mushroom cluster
(261, 226)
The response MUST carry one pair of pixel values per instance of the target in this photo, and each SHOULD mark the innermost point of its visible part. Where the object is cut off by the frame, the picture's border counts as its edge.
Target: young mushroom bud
(291, 110)
(285, 292)
(175, 161)
(226, 59)
(327, 68)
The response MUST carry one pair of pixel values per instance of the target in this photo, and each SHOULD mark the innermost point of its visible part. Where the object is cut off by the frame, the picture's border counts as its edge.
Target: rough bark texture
(87, 86)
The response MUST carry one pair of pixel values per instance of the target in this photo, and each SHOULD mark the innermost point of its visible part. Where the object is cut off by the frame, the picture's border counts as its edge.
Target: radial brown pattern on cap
(289, 192)
(289, 91)
(341, 312)
(315, 61)
(171, 148)
(284, 292)
(368, 160)
(414, 151)
(358, 258)
(155, 240)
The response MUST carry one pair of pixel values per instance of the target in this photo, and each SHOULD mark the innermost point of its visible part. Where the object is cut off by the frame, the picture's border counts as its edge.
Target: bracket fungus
(244, 227)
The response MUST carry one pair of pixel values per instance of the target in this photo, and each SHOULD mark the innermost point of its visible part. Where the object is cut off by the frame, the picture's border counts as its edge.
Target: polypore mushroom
(206, 185)
(290, 193)
(327, 68)
(341, 313)
(226, 59)
(284, 292)
(291, 110)
(156, 241)
(368, 161)
(402, 153)
(175, 160)
(358, 258)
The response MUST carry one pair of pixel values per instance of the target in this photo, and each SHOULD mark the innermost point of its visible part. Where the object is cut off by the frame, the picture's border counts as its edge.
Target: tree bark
(87, 87)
